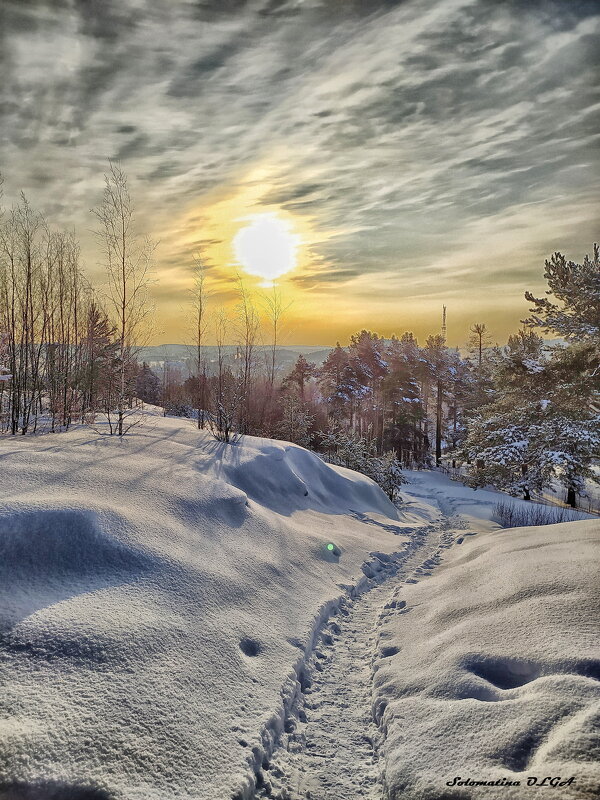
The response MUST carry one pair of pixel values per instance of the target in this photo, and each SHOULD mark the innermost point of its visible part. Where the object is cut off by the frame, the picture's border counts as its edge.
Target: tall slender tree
(127, 258)
(199, 296)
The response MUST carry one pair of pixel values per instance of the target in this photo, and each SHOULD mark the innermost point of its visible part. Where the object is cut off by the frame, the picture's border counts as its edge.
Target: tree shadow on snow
(397, 530)
(50, 790)
(50, 555)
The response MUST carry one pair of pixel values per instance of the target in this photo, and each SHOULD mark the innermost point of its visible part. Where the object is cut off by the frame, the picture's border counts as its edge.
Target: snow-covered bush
(175, 408)
(221, 423)
(346, 449)
(386, 470)
(511, 515)
(296, 421)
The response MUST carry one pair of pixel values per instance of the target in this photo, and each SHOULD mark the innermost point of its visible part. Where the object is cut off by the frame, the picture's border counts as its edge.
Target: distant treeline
(522, 417)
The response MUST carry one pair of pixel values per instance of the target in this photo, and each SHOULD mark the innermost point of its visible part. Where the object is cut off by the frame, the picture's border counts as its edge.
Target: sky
(409, 154)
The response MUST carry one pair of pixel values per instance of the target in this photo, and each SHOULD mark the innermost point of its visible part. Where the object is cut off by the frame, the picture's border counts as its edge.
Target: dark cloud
(105, 19)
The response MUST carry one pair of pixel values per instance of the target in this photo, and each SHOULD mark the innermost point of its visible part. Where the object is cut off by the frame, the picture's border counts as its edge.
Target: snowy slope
(488, 670)
(158, 594)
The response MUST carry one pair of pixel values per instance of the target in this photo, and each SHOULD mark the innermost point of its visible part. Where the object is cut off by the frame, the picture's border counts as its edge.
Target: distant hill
(285, 358)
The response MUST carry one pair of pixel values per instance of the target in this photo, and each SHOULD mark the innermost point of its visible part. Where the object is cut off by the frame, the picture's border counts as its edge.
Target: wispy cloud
(411, 130)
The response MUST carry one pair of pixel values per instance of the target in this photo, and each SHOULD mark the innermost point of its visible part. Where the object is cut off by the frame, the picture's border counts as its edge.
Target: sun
(267, 247)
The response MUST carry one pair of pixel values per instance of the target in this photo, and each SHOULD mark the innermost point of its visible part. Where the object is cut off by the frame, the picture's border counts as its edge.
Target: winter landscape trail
(223, 623)
(329, 750)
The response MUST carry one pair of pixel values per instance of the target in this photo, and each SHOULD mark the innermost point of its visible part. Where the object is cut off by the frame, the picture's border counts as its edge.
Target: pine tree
(541, 429)
(572, 308)
(148, 385)
(368, 367)
(401, 397)
(301, 373)
(346, 449)
(435, 358)
(100, 378)
(296, 421)
(332, 382)
(386, 470)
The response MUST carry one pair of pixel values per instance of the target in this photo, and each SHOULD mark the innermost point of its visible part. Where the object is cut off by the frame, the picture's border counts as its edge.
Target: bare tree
(22, 308)
(199, 302)
(247, 328)
(275, 309)
(127, 258)
(227, 399)
(42, 293)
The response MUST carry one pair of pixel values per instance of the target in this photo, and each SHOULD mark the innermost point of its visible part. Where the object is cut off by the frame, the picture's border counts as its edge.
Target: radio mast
(444, 323)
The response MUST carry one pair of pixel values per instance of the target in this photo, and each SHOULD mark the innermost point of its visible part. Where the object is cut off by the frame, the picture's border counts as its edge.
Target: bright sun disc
(266, 247)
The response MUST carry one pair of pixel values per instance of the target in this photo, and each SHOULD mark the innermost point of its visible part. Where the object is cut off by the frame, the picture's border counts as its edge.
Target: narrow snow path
(330, 748)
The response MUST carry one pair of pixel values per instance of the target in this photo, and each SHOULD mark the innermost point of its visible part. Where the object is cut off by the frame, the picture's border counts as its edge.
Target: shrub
(513, 515)
(346, 449)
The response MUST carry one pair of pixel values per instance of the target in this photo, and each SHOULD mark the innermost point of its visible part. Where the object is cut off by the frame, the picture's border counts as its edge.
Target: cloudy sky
(419, 152)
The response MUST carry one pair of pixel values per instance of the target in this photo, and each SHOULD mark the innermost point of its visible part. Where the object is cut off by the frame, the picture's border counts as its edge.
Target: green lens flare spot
(330, 546)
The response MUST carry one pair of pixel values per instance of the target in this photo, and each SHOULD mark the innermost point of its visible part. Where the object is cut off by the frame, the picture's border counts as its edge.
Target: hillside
(187, 619)
(158, 595)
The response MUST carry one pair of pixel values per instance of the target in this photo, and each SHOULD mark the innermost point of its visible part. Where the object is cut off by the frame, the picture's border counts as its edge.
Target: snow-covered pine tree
(368, 367)
(401, 397)
(543, 427)
(386, 470)
(148, 385)
(572, 308)
(500, 441)
(346, 449)
(296, 421)
(330, 379)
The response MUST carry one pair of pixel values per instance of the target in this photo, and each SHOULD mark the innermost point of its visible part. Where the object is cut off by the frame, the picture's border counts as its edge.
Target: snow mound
(158, 597)
(286, 478)
(489, 670)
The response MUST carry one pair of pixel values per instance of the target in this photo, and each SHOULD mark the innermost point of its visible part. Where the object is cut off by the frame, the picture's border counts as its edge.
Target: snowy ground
(174, 627)
(477, 662)
(158, 595)
(488, 670)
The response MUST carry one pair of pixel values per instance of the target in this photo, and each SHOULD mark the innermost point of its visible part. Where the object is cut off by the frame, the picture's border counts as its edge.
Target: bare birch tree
(199, 302)
(247, 328)
(127, 259)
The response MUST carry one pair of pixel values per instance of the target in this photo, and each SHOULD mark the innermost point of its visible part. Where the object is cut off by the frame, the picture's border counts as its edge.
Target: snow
(158, 596)
(174, 627)
(488, 670)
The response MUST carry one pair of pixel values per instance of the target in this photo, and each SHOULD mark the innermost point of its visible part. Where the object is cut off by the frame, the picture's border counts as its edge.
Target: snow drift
(489, 669)
(158, 594)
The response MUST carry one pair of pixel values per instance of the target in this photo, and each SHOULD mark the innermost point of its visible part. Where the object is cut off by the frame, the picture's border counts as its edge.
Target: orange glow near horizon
(240, 235)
